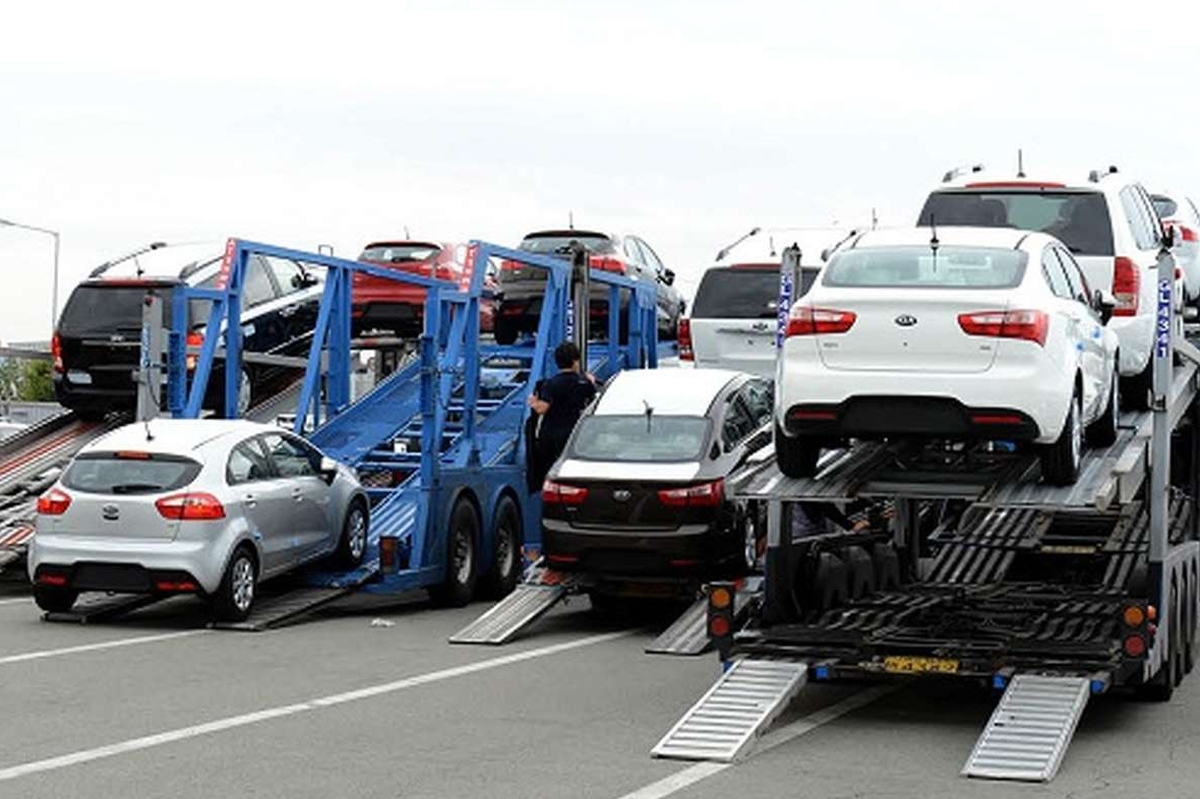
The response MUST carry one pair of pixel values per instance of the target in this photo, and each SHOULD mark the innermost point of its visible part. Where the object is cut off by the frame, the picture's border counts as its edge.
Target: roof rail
(961, 170)
(1095, 175)
(104, 267)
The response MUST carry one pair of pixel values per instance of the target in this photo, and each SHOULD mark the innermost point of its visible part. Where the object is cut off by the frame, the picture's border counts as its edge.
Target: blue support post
(233, 338)
(337, 381)
(177, 355)
(614, 325)
(310, 390)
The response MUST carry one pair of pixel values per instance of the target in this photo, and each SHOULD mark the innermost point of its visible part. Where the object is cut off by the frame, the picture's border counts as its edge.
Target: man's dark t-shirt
(568, 394)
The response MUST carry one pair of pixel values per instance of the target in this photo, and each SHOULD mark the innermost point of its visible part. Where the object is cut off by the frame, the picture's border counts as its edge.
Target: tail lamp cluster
(720, 616)
(1137, 629)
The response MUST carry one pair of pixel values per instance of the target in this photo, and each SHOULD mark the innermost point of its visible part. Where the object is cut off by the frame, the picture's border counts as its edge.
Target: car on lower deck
(193, 506)
(967, 334)
(640, 492)
(1179, 213)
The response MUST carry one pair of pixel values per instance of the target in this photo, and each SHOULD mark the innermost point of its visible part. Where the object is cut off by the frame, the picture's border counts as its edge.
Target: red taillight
(51, 578)
(563, 558)
(509, 266)
(193, 340)
(56, 352)
(705, 495)
(191, 507)
(718, 626)
(995, 418)
(174, 585)
(1126, 286)
(800, 414)
(559, 494)
(807, 321)
(1134, 646)
(607, 264)
(53, 503)
(685, 340)
(1028, 325)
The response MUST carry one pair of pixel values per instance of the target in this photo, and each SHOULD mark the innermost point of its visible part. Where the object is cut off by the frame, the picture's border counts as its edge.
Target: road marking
(71, 650)
(233, 722)
(692, 774)
(16, 600)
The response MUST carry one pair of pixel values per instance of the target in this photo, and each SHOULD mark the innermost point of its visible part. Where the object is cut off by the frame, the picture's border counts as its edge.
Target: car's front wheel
(353, 542)
(234, 598)
(54, 600)
(797, 457)
(1060, 460)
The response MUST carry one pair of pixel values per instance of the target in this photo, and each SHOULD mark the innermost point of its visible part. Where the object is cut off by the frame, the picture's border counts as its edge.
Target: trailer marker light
(720, 598)
(1151, 612)
(1134, 616)
(389, 560)
(563, 558)
(1135, 646)
(821, 673)
(999, 682)
(1097, 686)
(718, 626)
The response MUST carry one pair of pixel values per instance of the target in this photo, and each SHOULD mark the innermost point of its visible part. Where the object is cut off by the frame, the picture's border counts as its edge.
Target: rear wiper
(1074, 250)
(130, 488)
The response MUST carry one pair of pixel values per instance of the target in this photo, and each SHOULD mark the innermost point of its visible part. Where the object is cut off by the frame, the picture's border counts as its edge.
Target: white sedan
(966, 334)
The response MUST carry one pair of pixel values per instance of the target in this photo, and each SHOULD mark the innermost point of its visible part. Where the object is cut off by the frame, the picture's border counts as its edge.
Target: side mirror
(824, 255)
(1103, 303)
(329, 469)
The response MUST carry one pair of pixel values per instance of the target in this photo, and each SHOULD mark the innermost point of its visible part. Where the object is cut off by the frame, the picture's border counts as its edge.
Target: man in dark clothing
(559, 401)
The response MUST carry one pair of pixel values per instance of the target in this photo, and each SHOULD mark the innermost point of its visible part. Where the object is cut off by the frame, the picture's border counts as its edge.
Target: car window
(760, 401)
(1079, 219)
(738, 423)
(1075, 278)
(921, 266)
(288, 275)
(129, 472)
(258, 287)
(657, 439)
(291, 458)
(652, 257)
(1135, 214)
(247, 464)
(1164, 205)
(107, 309)
(633, 252)
(1053, 273)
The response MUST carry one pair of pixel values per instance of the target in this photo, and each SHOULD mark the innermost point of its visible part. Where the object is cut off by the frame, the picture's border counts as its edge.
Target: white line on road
(233, 722)
(693, 774)
(71, 650)
(16, 600)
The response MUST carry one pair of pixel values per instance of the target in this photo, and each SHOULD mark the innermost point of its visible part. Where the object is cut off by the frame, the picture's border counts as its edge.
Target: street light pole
(54, 289)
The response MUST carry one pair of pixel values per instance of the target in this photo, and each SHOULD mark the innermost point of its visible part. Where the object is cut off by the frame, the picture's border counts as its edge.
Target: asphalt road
(155, 705)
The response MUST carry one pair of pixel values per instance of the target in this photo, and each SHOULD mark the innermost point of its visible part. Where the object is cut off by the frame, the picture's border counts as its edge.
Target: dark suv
(523, 287)
(97, 342)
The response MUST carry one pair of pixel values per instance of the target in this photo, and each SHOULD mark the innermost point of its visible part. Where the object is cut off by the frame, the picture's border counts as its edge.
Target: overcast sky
(685, 122)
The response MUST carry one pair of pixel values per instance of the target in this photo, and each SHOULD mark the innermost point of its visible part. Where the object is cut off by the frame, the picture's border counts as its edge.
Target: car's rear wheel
(1135, 390)
(461, 547)
(797, 457)
(501, 577)
(54, 600)
(1103, 431)
(234, 598)
(505, 330)
(353, 542)
(1060, 460)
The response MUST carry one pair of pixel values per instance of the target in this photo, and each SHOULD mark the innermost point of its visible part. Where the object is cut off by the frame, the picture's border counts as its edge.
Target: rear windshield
(728, 292)
(634, 438)
(1165, 206)
(105, 309)
(923, 267)
(399, 253)
(1079, 219)
(556, 244)
(132, 473)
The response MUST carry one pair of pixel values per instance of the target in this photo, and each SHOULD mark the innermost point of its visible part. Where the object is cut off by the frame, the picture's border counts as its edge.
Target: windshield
(556, 243)
(129, 473)
(632, 438)
(100, 308)
(399, 253)
(920, 267)
(730, 292)
(1079, 219)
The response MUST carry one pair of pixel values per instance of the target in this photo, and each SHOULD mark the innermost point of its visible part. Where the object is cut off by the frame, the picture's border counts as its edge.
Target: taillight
(1126, 286)
(559, 494)
(705, 495)
(190, 507)
(53, 503)
(1137, 629)
(1134, 646)
(807, 321)
(193, 340)
(607, 264)
(175, 585)
(685, 340)
(1028, 325)
(55, 579)
(56, 353)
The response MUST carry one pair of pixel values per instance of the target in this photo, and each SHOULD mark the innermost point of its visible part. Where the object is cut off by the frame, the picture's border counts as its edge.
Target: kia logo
(621, 495)
(906, 320)
(760, 326)
(110, 512)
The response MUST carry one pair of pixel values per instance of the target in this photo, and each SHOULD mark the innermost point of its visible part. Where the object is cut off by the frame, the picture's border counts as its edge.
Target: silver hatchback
(193, 506)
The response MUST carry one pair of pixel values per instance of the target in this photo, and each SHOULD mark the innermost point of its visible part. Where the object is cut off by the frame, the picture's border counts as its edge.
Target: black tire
(234, 598)
(462, 547)
(1103, 431)
(505, 570)
(54, 600)
(505, 330)
(797, 457)
(828, 587)
(861, 572)
(353, 543)
(1135, 390)
(1189, 621)
(1162, 685)
(887, 566)
(1060, 460)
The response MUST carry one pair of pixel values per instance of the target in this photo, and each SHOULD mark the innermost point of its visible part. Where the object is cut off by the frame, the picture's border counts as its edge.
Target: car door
(308, 492)
(300, 302)
(1069, 352)
(667, 295)
(1095, 359)
(265, 501)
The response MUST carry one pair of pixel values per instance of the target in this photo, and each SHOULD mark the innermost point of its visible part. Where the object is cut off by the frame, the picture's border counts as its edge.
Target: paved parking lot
(338, 707)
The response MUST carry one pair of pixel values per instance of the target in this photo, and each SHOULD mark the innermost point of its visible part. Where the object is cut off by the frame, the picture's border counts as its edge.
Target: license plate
(79, 378)
(903, 664)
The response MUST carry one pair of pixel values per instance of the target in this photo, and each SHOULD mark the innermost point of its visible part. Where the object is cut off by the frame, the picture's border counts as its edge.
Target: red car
(389, 306)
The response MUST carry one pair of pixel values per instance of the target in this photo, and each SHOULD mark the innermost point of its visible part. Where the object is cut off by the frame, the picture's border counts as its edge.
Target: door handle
(297, 494)
(251, 500)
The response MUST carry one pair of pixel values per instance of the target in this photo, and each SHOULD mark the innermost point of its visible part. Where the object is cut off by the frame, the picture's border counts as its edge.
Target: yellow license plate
(903, 664)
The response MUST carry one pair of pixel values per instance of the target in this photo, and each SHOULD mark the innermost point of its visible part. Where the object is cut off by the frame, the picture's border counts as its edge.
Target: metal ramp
(688, 635)
(727, 719)
(526, 604)
(275, 611)
(1029, 732)
(94, 608)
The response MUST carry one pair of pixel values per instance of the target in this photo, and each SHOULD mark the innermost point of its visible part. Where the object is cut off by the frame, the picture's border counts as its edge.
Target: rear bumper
(127, 566)
(690, 552)
(904, 416)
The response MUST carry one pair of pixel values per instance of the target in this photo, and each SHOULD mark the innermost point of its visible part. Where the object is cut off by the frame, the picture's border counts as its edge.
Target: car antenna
(649, 414)
(149, 435)
(407, 235)
(874, 219)
(570, 220)
(725, 250)
(771, 242)
(933, 239)
(1020, 163)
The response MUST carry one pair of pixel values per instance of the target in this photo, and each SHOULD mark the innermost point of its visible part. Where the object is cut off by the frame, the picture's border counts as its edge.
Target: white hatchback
(955, 333)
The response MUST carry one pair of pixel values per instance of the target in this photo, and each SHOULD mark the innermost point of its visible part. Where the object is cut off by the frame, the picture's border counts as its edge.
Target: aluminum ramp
(688, 635)
(1030, 730)
(526, 604)
(275, 611)
(735, 711)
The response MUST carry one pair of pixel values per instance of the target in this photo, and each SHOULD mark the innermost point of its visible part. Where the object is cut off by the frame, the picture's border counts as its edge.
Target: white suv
(1107, 222)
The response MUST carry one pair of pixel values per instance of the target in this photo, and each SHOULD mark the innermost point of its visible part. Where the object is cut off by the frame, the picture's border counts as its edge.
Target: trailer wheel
(54, 600)
(461, 548)
(1103, 431)
(1189, 652)
(1162, 685)
(861, 572)
(1060, 460)
(887, 566)
(502, 575)
(797, 457)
